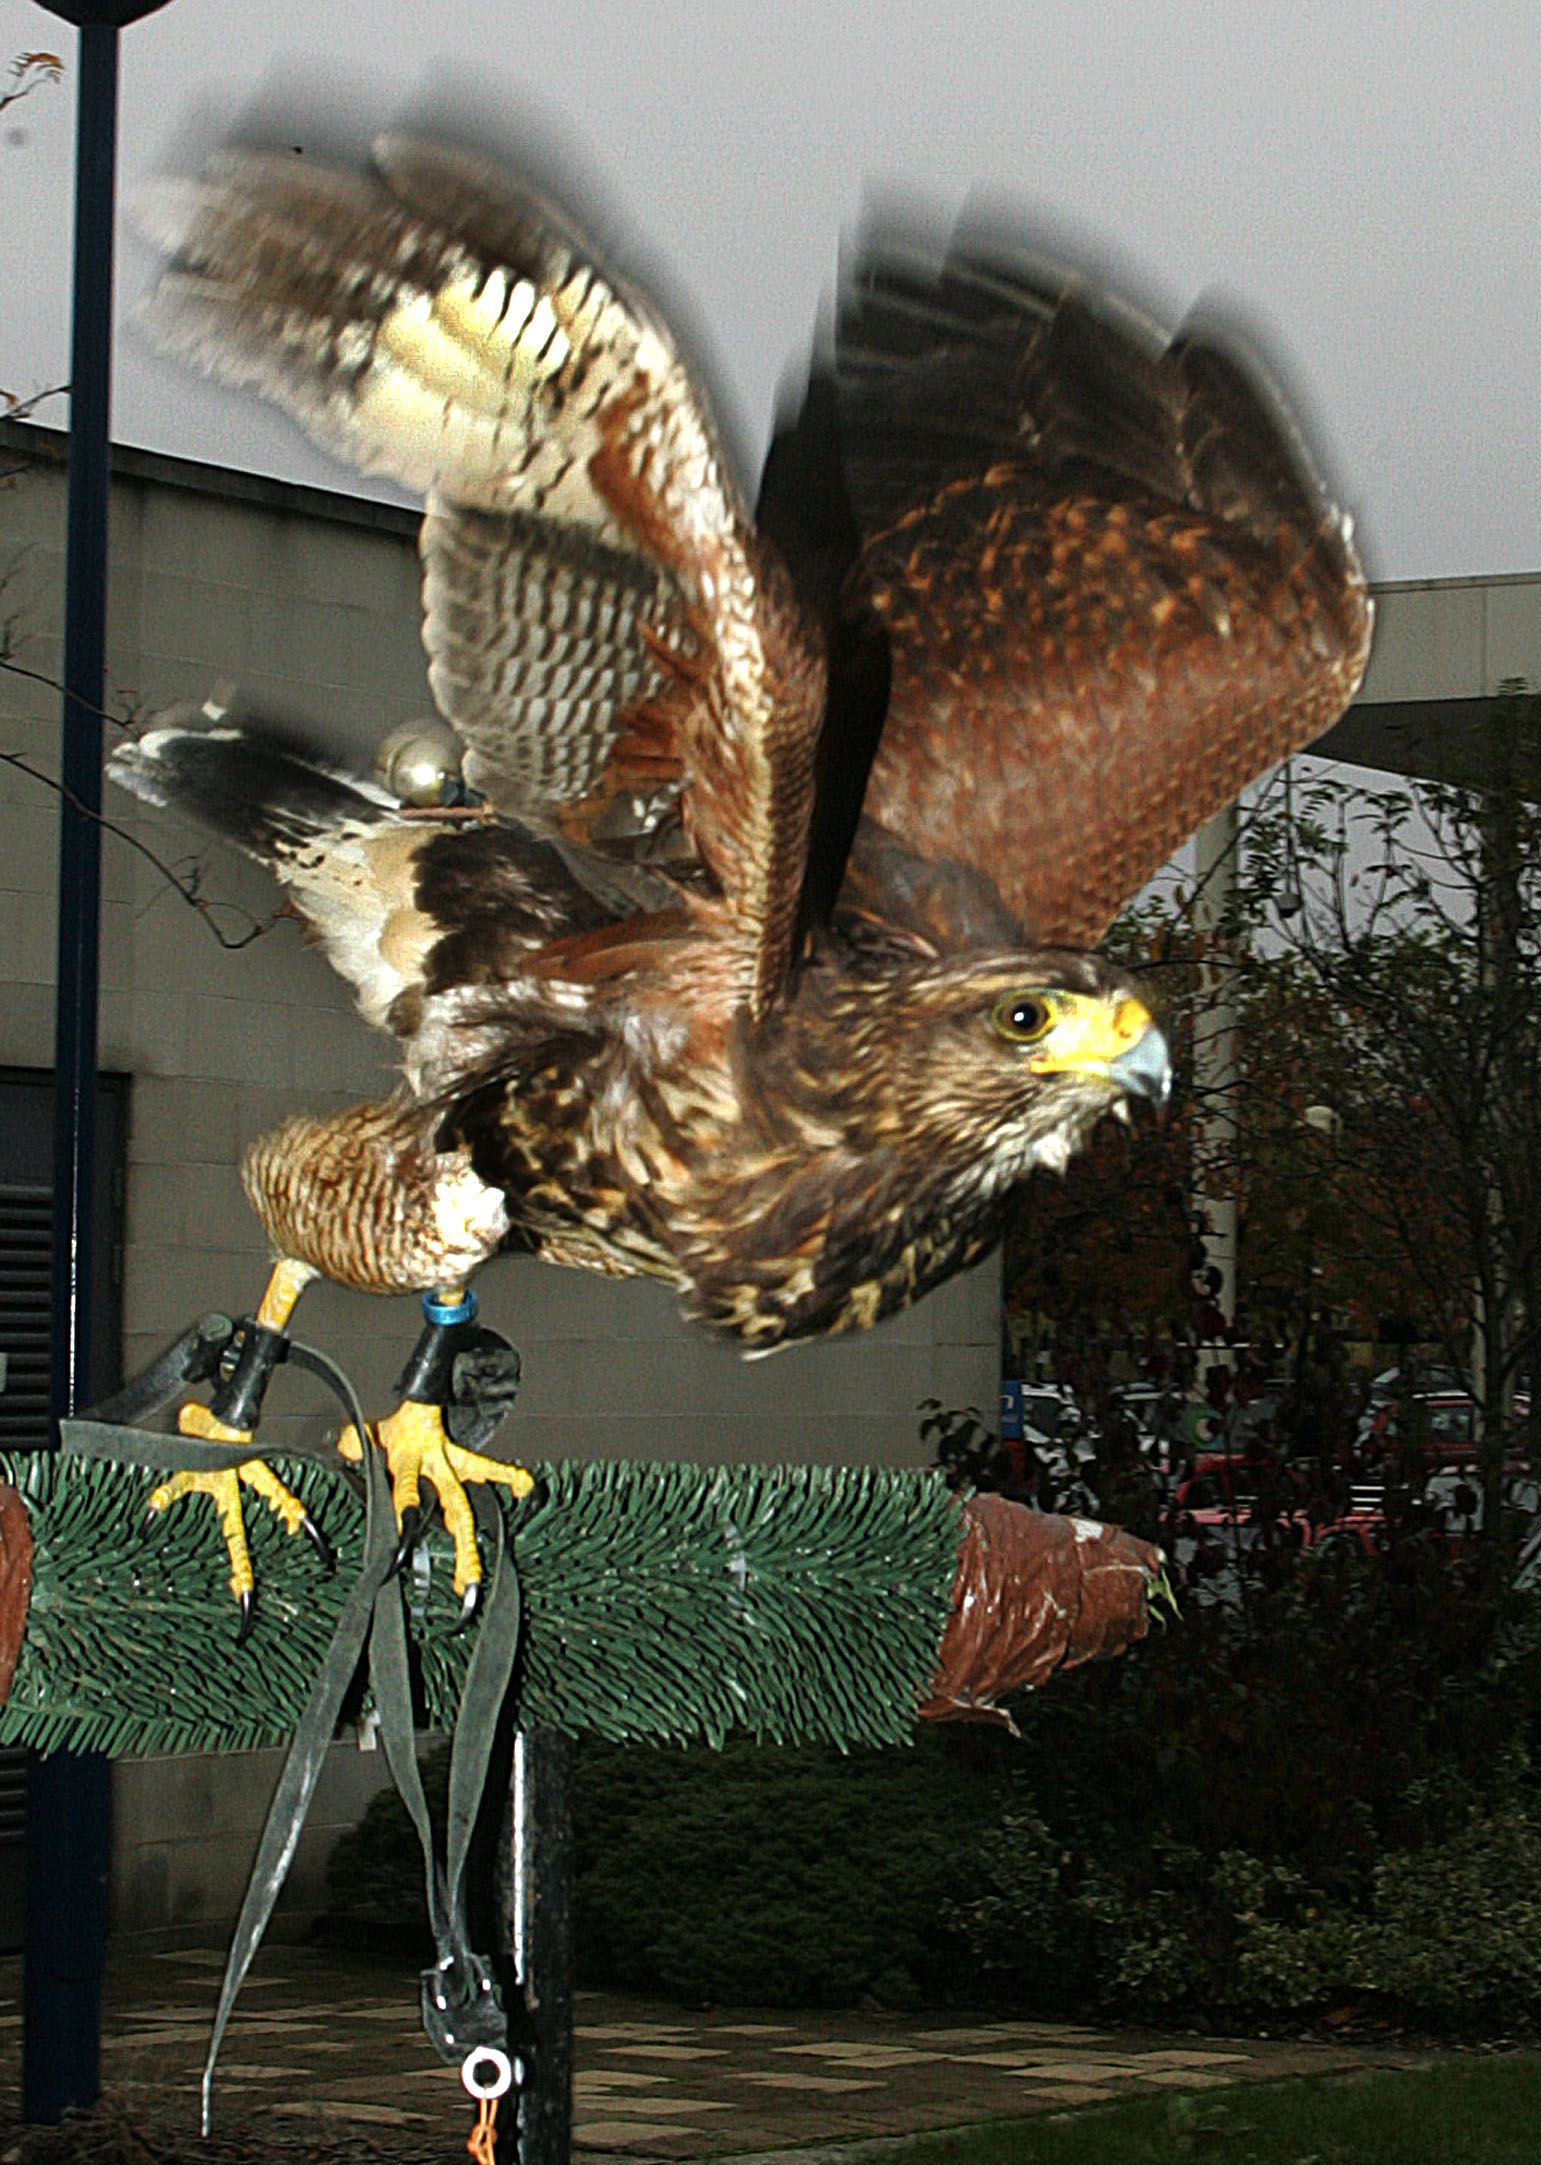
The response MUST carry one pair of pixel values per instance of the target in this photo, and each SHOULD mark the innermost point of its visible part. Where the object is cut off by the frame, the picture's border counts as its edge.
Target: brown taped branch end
(15, 1581)
(1033, 1594)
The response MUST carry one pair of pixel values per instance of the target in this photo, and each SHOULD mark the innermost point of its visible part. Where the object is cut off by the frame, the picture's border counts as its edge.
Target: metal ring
(443, 1313)
(502, 2072)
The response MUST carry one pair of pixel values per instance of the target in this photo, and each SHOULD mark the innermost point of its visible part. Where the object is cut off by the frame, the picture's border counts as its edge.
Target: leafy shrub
(1455, 1929)
(374, 1874)
(1322, 1793)
(783, 1876)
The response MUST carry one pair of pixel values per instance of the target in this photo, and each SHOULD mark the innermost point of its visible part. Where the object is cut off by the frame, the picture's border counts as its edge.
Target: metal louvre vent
(26, 1243)
(13, 1846)
(13, 1794)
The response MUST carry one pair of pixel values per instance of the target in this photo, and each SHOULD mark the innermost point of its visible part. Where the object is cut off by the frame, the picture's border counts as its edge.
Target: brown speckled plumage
(756, 974)
(367, 1199)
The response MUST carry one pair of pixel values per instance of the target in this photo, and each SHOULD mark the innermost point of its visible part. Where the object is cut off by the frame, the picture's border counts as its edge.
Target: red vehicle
(1362, 1526)
(1446, 1421)
(1224, 1489)
(1229, 1504)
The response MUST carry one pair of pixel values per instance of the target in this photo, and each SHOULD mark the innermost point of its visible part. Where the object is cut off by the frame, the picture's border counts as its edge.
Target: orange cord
(482, 2140)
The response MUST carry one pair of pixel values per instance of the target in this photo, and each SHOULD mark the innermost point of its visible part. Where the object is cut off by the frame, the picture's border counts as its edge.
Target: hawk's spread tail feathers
(402, 903)
(266, 791)
(339, 845)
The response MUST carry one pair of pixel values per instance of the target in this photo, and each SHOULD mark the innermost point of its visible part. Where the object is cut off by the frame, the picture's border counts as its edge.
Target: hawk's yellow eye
(1021, 1018)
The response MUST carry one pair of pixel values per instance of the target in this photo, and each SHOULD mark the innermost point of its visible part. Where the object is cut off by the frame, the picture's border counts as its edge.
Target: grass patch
(1467, 2112)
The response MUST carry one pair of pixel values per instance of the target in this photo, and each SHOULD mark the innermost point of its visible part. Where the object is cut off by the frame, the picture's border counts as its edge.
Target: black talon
(413, 1524)
(248, 1602)
(470, 1600)
(318, 1541)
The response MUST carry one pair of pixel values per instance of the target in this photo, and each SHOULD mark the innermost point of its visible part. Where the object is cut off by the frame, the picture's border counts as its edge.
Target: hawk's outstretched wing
(1113, 590)
(602, 629)
(1079, 583)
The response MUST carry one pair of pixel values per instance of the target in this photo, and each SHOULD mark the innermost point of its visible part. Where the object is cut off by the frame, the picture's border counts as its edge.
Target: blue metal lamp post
(66, 1922)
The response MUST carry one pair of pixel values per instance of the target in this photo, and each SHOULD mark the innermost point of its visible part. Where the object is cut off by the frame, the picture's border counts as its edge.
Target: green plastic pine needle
(661, 1602)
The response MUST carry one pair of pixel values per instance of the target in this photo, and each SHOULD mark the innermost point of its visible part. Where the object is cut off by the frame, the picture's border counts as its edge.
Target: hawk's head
(882, 1118)
(1001, 1063)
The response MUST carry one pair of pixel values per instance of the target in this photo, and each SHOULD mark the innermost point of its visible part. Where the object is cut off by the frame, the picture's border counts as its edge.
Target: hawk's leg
(232, 1418)
(418, 1445)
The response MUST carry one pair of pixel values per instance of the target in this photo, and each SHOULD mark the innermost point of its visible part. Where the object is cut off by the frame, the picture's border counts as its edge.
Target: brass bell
(419, 762)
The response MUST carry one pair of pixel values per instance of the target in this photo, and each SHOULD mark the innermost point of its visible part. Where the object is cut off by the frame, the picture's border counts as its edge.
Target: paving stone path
(318, 2038)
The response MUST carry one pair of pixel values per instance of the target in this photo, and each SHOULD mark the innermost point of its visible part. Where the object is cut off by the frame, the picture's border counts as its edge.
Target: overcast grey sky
(1362, 181)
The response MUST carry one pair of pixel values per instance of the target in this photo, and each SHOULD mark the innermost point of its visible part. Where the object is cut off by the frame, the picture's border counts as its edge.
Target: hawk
(759, 953)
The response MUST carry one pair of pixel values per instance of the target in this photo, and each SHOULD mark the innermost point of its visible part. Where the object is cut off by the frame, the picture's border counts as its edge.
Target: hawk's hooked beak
(1115, 1038)
(1145, 1070)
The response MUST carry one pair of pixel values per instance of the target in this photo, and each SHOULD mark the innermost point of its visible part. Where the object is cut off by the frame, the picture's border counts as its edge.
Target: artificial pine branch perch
(661, 1603)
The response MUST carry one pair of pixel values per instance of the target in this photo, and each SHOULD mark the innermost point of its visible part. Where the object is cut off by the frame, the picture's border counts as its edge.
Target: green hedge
(786, 1875)
(783, 1877)
(1448, 1935)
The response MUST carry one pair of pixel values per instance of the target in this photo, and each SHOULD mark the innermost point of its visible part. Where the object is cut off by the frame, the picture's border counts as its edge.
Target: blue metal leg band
(442, 1313)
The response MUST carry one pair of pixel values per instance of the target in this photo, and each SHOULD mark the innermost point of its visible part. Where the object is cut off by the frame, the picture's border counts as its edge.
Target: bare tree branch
(189, 887)
(29, 72)
(17, 409)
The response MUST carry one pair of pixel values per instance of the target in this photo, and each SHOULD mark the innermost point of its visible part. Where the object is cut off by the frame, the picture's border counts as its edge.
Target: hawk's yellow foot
(224, 1484)
(417, 1447)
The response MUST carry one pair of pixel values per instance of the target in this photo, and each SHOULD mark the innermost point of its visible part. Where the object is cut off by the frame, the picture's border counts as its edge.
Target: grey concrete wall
(1453, 639)
(309, 604)
(186, 1830)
